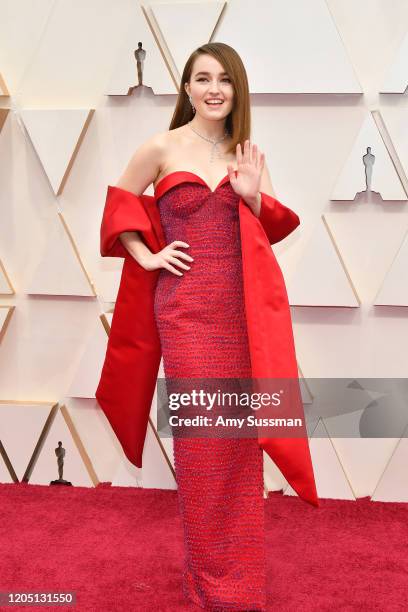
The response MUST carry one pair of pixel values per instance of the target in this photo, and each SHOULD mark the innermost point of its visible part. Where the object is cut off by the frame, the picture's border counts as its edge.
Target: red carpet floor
(121, 549)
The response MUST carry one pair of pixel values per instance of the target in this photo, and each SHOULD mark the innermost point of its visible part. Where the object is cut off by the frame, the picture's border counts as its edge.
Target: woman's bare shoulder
(168, 144)
(170, 137)
(147, 162)
(161, 144)
(144, 164)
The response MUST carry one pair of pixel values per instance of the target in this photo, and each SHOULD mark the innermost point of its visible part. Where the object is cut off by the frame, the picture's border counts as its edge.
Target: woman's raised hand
(250, 165)
(166, 257)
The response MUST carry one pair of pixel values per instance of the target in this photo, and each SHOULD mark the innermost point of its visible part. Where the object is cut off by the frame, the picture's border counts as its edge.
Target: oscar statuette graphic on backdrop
(60, 452)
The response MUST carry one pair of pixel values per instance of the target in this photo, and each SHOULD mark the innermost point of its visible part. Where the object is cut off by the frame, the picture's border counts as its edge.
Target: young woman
(203, 170)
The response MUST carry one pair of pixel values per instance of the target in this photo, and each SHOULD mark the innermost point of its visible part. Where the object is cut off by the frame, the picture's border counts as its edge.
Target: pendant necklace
(214, 143)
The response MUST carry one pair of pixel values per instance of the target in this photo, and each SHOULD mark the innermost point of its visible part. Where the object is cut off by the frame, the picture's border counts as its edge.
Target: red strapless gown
(200, 317)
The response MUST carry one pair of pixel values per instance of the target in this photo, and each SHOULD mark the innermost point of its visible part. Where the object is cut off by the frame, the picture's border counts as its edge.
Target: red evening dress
(201, 322)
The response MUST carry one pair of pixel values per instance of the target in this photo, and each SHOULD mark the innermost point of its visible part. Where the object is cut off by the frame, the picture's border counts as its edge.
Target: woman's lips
(216, 104)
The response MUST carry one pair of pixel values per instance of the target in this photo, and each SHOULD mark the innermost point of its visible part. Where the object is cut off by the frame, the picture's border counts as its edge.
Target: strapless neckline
(183, 176)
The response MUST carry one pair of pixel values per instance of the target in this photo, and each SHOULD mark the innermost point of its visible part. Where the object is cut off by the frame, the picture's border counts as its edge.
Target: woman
(201, 173)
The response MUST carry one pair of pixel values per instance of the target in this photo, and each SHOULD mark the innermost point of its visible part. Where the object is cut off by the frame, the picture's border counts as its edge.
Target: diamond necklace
(214, 143)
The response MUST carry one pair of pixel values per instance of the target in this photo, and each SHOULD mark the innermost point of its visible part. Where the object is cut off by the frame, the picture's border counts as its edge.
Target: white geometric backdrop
(327, 81)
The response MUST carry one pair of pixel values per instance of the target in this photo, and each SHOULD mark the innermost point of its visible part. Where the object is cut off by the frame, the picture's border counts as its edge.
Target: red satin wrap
(129, 374)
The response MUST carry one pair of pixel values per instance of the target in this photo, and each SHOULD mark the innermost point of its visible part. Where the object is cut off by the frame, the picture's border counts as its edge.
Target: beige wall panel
(394, 290)
(21, 425)
(22, 26)
(393, 485)
(153, 71)
(96, 434)
(277, 51)
(86, 377)
(56, 135)
(368, 236)
(384, 178)
(75, 469)
(169, 15)
(320, 278)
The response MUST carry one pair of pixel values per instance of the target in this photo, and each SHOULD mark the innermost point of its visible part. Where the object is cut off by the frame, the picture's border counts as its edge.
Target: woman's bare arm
(265, 187)
(142, 169)
(144, 165)
(266, 184)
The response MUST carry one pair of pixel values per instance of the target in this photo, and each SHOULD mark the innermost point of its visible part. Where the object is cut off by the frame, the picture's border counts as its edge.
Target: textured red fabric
(133, 353)
(200, 317)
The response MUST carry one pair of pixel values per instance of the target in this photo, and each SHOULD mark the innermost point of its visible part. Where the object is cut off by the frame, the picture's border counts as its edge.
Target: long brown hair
(238, 122)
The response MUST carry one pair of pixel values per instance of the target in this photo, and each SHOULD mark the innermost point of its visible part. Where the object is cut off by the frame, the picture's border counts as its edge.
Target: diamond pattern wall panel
(355, 255)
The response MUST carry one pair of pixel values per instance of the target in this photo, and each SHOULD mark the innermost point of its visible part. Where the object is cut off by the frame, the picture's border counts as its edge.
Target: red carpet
(120, 549)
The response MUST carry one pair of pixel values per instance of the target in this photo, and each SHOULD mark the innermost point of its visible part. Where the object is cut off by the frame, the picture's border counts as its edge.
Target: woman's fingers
(258, 158)
(168, 266)
(254, 154)
(171, 258)
(250, 155)
(178, 243)
(246, 151)
(239, 154)
(174, 260)
(262, 161)
(181, 254)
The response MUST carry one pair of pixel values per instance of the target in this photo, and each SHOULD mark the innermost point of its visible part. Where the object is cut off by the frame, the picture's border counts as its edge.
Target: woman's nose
(214, 89)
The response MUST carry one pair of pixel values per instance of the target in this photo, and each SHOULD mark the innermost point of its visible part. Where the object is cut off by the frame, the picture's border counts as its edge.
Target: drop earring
(191, 102)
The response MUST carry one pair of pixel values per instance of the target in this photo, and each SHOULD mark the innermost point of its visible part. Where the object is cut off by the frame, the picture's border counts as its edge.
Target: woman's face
(208, 82)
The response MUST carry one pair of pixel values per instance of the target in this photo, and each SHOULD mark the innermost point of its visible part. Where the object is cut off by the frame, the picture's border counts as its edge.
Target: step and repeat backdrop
(82, 86)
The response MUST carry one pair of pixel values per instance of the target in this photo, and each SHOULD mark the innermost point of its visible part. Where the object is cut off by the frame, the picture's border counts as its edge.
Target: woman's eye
(224, 79)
